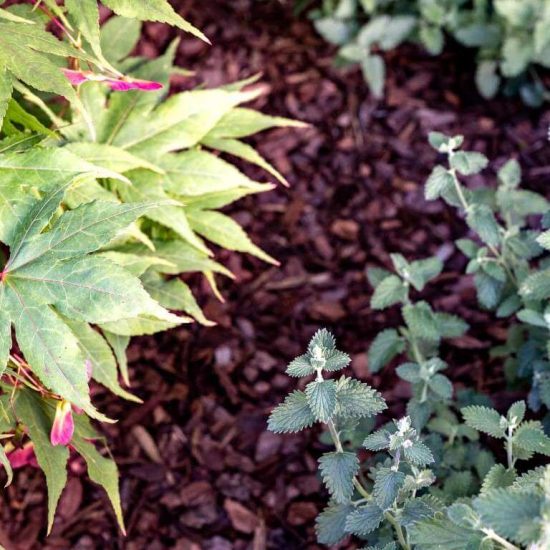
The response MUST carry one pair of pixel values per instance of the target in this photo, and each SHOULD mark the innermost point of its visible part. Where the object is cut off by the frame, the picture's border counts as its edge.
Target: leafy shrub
(429, 481)
(104, 201)
(511, 38)
(420, 488)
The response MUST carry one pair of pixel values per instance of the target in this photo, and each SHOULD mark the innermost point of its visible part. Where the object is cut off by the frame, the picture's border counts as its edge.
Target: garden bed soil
(198, 469)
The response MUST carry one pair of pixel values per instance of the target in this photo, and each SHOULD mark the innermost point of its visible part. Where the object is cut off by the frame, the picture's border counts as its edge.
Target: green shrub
(429, 481)
(105, 199)
(512, 38)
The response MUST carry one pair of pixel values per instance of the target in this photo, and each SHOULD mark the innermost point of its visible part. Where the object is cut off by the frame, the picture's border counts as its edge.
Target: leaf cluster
(510, 38)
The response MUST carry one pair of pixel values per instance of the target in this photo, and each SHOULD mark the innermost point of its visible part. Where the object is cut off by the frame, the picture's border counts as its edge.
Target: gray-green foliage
(508, 259)
(412, 491)
(511, 37)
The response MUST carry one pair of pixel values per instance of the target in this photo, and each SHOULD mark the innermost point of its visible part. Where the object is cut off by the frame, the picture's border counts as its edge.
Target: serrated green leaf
(330, 523)
(450, 326)
(102, 471)
(530, 436)
(85, 13)
(118, 38)
(417, 509)
(384, 348)
(293, 415)
(224, 231)
(438, 533)
(37, 416)
(51, 349)
(364, 520)
(489, 290)
(194, 173)
(418, 453)
(468, 162)
(81, 231)
(176, 295)
(421, 321)
(482, 220)
(6, 89)
(536, 286)
(512, 514)
(516, 413)
(153, 10)
(498, 477)
(119, 345)
(377, 441)
(300, 366)
(338, 469)
(441, 385)
(484, 419)
(356, 399)
(439, 183)
(178, 123)
(510, 173)
(387, 484)
(101, 358)
(321, 397)
(389, 292)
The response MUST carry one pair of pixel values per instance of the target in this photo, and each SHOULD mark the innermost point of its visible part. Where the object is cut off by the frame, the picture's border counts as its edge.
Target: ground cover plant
(509, 39)
(106, 197)
(430, 480)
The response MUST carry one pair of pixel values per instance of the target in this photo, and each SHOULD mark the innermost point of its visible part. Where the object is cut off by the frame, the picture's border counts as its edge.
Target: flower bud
(63, 424)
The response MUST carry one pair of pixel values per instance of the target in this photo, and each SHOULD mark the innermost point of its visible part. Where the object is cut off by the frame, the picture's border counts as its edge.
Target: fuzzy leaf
(389, 292)
(384, 348)
(530, 436)
(338, 470)
(364, 520)
(421, 321)
(418, 454)
(439, 183)
(330, 523)
(387, 484)
(356, 399)
(498, 477)
(484, 419)
(377, 441)
(468, 163)
(300, 366)
(482, 220)
(321, 397)
(293, 415)
(512, 514)
(440, 532)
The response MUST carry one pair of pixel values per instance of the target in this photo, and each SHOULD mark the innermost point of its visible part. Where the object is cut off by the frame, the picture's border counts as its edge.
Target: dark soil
(198, 469)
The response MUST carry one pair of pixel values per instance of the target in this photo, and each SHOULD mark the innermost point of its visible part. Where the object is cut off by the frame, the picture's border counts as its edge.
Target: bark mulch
(198, 469)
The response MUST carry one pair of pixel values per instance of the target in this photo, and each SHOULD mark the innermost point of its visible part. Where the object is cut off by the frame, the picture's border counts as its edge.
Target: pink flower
(23, 456)
(63, 424)
(121, 84)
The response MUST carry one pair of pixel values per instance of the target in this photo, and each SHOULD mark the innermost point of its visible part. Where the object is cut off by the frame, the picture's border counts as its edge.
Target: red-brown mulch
(198, 469)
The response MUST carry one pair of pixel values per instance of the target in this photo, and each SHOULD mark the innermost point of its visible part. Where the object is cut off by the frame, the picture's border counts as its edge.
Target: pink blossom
(120, 84)
(63, 424)
(23, 456)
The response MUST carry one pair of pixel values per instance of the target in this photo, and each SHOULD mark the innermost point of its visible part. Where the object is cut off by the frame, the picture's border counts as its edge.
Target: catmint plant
(510, 37)
(508, 259)
(394, 499)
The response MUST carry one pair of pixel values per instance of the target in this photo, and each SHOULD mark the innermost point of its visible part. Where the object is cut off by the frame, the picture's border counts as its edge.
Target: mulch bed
(198, 469)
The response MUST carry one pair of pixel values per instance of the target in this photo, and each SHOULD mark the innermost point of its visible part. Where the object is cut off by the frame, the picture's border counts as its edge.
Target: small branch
(398, 531)
(497, 538)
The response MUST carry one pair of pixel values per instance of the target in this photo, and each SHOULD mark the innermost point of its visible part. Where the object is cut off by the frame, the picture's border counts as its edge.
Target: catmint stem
(465, 206)
(338, 444)
(398, 531)
(510, 448)
(497, 538)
